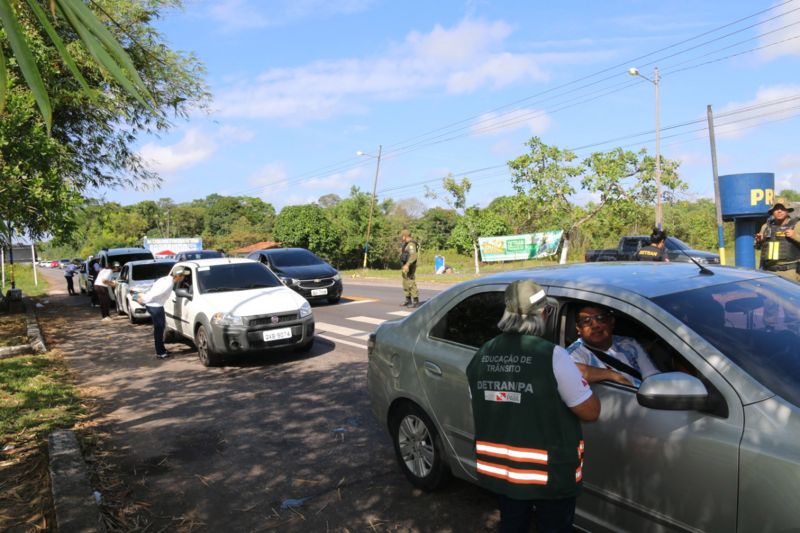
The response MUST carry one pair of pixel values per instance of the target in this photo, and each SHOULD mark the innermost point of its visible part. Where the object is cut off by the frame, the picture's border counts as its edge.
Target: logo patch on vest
(502, 396)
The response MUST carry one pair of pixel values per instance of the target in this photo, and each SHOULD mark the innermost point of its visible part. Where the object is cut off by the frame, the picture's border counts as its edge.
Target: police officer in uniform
(655, 251)
(780, 243)
(528, 399)
(408, 258)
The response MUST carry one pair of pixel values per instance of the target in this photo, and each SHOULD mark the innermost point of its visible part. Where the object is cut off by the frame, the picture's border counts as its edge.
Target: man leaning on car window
(528, 401)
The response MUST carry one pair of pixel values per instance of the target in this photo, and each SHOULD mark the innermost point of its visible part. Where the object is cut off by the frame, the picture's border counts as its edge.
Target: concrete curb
(35, 337)
(73, 498)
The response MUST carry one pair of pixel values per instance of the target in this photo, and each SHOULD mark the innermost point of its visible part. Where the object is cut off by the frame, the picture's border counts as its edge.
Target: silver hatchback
(712, 443)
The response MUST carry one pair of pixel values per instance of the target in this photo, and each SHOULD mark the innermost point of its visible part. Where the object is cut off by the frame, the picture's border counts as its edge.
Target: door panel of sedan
(121, 289)
(658, 470)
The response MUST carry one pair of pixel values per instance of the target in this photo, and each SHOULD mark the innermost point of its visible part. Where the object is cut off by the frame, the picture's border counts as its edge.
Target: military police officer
(655, 251)
(528, 398)
(780, 243)
(408, 258)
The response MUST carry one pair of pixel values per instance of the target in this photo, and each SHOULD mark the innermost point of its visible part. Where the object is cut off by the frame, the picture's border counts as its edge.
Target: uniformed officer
(528, 399)
(656, 250)
(780, 243)
(408, 258)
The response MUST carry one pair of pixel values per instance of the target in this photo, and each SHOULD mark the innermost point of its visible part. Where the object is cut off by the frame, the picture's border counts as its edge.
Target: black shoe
(407, 303)
(415, 304)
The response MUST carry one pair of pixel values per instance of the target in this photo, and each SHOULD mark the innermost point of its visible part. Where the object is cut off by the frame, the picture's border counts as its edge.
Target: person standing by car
(102, 284)
(154, 300)
(656, 250)
(408, 259)
(780, 243)
(528, 401)
(69, 274)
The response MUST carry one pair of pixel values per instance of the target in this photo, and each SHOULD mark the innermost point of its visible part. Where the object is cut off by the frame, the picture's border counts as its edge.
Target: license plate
(277, 334)
(319, 292)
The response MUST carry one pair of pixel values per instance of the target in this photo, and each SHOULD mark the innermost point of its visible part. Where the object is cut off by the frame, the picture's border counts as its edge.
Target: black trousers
(105, 300)
(551, 516)
(70, 286)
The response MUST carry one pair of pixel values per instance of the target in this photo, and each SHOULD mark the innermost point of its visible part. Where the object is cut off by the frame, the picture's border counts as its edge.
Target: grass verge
(13, 330)
(35, 398)
(23, 279)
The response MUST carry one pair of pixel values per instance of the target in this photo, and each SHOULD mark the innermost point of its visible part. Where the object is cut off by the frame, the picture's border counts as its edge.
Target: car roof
(280, 251)
(149, 262)
(119, 251)
(217, 261)
(648, 279)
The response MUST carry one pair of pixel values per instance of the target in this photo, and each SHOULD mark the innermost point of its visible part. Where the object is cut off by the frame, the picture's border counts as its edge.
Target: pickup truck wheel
(132, 319)
(334, 299)
(418, 448)
(204, 349)
(304, 348)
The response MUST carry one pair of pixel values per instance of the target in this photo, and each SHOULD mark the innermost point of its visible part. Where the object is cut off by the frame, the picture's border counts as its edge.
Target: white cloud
(235, 133)
(537, 121)
(270, 179)
(236, 15)
(691, 158)
(783, 32)
(335, 182)
(789, 161)
(465, 58)
(192, 149)
(788, 181)
(770, 103)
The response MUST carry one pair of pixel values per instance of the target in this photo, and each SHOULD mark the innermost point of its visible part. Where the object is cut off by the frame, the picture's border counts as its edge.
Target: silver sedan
(711, 443)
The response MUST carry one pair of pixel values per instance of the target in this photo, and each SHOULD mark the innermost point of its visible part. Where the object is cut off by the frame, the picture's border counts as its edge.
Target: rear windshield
(235, 277)
(755, 323)
(676, 244)
(295, 258)
(124, 258)
(151, 271)
(200, 254)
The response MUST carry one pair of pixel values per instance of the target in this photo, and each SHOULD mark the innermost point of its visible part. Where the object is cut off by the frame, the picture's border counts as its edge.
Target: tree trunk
(475, 253)
(564, 250)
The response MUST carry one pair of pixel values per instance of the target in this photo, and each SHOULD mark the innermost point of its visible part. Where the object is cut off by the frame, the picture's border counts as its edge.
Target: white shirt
(159, 293)
(623, 349)
(103, 276)
(573, 389)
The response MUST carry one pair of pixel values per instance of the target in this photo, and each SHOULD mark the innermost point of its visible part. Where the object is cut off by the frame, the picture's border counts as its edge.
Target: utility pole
(717, 201)
(372, 202)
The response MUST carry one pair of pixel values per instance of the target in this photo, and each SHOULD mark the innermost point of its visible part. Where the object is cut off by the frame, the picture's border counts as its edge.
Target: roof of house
(256, 246)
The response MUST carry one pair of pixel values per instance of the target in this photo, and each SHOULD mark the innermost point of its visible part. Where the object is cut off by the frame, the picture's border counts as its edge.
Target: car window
(123, 275)
(472, 321)
(676, 244)
(124, 258)
(756, 323)
(289, 258)
(201, 254)
(151, 270)
(235, 277)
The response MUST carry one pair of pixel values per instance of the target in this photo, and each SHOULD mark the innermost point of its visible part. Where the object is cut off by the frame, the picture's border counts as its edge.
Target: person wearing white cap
(154, 300)
(528, 401)
(780, 243)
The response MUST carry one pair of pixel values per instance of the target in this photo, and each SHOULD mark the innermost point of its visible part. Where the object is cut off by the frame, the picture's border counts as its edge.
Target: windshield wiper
(222, 289)
(259, 286)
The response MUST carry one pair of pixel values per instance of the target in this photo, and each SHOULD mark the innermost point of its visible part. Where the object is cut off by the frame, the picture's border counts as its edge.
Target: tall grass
(23, 278)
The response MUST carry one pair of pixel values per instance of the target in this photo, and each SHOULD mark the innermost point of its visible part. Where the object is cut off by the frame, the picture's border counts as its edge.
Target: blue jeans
(552, 516)
(159, 325)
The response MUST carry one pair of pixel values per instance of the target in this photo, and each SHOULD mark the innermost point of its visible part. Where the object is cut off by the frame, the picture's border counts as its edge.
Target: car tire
(334, 299)
(304, 348)
(205, 351)
(132, 319)
(418, 448)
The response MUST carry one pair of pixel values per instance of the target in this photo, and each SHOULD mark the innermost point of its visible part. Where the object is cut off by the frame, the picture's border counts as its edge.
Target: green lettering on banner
(515, 245)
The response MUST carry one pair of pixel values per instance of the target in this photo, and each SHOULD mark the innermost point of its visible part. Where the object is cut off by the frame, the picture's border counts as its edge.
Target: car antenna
(703, 270)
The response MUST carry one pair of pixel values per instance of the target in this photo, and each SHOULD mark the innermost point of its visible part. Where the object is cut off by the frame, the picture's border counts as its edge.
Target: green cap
(524, 297)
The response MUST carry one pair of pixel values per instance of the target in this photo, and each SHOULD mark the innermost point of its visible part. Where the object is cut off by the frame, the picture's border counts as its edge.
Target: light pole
(656, 81)
(372, 203)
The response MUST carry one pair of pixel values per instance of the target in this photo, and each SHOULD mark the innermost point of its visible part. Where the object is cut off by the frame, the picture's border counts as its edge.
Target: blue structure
(745, 200)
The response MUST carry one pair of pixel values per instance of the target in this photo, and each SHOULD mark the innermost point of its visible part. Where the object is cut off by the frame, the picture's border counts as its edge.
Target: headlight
(701, 260)
(337, 277)
(305, 309)
(226, 319)
(288, 281)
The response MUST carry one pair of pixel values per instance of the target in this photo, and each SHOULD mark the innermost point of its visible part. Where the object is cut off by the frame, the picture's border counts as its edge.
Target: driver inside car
(602, 356)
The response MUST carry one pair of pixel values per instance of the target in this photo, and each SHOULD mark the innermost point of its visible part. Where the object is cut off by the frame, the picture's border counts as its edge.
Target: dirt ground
(277, 443)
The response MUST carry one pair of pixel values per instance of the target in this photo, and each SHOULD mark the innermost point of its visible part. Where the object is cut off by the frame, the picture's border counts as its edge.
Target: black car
(302, 271)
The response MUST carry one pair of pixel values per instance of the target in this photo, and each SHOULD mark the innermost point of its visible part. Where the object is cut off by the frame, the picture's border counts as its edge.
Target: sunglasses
(602, 318)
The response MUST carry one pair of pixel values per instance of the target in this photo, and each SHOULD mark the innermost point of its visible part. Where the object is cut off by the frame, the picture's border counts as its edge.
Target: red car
(54, 264)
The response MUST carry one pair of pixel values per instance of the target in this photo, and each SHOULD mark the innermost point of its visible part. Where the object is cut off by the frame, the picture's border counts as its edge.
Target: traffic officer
(655, 251)
(408, 259)
(780, 243)
(528, 399)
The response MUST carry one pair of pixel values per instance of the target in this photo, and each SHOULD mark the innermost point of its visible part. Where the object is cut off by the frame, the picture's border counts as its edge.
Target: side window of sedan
(473, 321)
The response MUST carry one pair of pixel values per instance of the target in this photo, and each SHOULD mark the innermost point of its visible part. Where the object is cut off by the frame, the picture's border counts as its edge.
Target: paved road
(221, 449)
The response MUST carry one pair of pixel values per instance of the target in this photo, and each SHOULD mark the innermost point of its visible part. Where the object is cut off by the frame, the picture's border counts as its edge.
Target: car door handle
(432, 368)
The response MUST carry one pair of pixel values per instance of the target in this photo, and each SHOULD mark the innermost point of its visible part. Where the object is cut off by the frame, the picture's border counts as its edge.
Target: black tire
(418, 448)
(334, 299)
(205, 350)
(305, 348)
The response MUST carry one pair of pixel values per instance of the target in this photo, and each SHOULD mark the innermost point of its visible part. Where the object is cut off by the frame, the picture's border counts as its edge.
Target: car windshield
(124, 258)
(151, 270)
(676, 244)
(290, 258)
(755, 323)
(235, 277)
(200, 254)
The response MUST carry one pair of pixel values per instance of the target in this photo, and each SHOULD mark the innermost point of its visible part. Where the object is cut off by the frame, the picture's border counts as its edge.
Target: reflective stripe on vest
(522, 455)
(512, 475)
(579, 470)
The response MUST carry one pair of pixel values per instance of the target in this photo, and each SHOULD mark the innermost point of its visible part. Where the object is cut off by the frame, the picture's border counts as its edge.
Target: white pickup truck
(232, 306)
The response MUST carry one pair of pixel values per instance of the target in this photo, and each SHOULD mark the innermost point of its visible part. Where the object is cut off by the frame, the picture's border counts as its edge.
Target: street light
(372, 203)
(656, 82)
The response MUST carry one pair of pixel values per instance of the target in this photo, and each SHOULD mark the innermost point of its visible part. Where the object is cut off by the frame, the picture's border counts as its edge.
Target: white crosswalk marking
(367, 319)
(339, 330)
(400, 313)
(362, 336)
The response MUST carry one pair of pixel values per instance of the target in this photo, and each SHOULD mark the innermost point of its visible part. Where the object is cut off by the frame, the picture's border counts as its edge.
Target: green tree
(434, 228)
(306, 226)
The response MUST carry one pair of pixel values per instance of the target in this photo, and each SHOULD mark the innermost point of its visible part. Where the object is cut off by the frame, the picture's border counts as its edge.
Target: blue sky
(458, 87)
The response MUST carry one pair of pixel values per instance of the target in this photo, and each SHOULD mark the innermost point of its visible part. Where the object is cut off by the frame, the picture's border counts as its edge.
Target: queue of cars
(708, 444)
(225, 306)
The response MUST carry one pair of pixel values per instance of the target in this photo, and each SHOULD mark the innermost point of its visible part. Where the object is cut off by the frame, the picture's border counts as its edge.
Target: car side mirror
(673, 391)
(183, 293)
